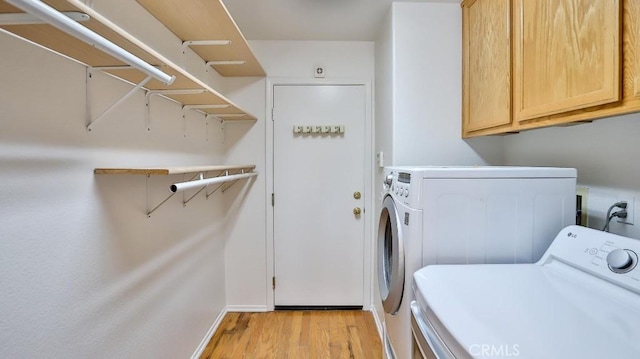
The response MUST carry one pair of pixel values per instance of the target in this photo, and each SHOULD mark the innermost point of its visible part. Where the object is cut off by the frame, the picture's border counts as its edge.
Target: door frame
(369, 209)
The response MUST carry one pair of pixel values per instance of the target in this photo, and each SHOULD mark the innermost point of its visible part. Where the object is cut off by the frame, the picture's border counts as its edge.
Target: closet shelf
(50, 37)
(170, 170)
(208, 28)
(225, 178)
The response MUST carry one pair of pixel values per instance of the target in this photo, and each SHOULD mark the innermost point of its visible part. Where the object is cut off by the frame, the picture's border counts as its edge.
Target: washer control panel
(605, 255)
(402, 184)
(401, 190)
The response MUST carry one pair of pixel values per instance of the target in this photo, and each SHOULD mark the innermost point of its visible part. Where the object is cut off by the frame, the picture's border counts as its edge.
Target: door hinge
(273, 200)
(273, 282)
(272, 119)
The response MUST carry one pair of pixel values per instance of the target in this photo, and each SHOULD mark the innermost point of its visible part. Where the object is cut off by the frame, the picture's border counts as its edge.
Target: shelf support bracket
(186, 108)
(90, 120)
(149, 212)
(234, 182)
(209, 194)
(198, 108)
(163, 93)
(184, 202)
(215, 63)
(221, 174)
(221, 117)
(226, 62)
(189, 43)
(158, 206)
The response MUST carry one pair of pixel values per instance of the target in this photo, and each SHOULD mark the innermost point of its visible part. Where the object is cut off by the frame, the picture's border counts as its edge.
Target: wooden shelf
(197, 20)
(58, 41)
(169, 170)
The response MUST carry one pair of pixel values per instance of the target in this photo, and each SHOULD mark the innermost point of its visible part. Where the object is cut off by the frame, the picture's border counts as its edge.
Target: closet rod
(207, 181)
(55, 18)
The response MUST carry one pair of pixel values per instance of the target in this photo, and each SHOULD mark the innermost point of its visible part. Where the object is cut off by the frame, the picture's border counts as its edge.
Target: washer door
(390, 257)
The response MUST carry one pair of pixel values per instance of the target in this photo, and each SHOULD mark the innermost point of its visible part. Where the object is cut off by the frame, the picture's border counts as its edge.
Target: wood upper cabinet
(631, 54)
(486, 60)
(570, 61)
(566, 55)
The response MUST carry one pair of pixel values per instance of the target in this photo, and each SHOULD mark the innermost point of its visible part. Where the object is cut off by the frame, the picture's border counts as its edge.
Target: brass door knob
(357, 211)
(357, 195)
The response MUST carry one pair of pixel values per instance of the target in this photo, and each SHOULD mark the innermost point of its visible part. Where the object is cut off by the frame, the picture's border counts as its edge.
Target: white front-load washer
(400, 254)
(462, 215)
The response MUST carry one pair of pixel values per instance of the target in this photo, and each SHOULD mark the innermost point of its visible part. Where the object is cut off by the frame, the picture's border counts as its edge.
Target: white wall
(297, 59)
(427, 89)
(384, 106)
(245, 251)
(419, 93)
(85, 273)
(605, 153)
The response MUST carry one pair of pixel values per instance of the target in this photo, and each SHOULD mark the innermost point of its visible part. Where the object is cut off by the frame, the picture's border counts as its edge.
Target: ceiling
(330, 20)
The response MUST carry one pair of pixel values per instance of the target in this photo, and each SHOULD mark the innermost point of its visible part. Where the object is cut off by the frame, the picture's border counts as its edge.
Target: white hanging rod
(228, 62)
(207, 181)
(28, 19)
(55, 18)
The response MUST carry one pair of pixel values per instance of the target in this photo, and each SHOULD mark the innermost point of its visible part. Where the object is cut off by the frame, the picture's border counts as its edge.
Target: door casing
(368, 215)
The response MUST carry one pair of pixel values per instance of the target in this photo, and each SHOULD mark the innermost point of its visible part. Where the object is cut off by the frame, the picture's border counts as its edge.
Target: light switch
(380, 159)
(297, 129)
(306, 129)
(316, 129)
(326, 129)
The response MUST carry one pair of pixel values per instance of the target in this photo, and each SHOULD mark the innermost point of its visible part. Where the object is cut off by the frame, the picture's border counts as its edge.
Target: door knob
(357, 211)
(357, 195)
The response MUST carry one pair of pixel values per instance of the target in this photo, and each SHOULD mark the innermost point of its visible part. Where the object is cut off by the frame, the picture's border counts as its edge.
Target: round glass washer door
(390, 257)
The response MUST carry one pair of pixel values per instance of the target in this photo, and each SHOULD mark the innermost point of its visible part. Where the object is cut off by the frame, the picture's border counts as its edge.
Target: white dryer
(581, 300)
(461, 215)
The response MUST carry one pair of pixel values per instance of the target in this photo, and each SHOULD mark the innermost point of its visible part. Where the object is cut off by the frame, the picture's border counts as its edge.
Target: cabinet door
(486, 64)
(631, 51)
(566, 55)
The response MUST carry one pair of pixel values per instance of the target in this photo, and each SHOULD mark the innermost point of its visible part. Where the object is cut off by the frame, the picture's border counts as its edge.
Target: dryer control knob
(388, 180)
(619, 259)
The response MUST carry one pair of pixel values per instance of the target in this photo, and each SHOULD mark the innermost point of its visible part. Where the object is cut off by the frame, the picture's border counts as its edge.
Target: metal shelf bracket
(151, 93)
(224, 189)
(150, 211)
(89, 75)
(189, 43)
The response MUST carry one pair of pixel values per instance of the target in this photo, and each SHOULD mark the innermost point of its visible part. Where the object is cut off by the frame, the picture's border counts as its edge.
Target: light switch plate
(380, 159)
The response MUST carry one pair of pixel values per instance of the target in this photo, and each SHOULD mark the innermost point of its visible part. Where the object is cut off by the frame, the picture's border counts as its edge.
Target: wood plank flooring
(296, 335)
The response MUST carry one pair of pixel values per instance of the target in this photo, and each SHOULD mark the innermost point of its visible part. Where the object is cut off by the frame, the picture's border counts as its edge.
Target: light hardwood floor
(296, 334)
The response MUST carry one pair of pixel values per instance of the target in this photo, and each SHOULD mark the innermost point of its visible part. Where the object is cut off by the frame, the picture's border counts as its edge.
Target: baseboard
(246, 308)
(207, 338)
(378, 321)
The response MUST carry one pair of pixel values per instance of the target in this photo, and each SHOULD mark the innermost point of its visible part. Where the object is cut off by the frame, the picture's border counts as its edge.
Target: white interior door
(318, 240)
